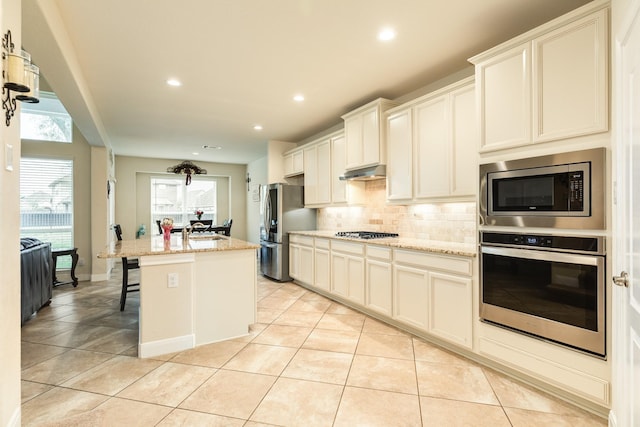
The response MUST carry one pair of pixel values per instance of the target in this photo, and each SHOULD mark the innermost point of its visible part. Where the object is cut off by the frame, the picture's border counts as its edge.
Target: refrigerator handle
(267, 213)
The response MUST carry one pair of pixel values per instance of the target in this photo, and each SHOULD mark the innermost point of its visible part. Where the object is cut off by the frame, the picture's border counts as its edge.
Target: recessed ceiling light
(195, 153)
(386, 34)
(257, 127)
(298, 98)
(174, 82)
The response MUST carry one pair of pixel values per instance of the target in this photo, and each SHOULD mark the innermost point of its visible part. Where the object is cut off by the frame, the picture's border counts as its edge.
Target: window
(46, 202)
(47, 120)
(171, 198)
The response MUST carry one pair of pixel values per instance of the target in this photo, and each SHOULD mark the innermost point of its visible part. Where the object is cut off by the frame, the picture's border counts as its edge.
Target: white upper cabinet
(293, 163)
(504, 86)
(399, 160)
(324, 162)
(317, 173)
(343, 192)
(547, 84)
(432, 147)
(464, 141)
(365, 134)
(570, 79)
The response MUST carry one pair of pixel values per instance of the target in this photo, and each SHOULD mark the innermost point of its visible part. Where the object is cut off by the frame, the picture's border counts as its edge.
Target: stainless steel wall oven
(552, 287)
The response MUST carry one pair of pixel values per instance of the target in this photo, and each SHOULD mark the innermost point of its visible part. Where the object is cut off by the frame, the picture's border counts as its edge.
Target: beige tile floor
(308, 362)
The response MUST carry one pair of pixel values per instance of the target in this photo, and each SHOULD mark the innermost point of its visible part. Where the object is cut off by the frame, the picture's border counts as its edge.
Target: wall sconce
(187, 168)
(18, 75)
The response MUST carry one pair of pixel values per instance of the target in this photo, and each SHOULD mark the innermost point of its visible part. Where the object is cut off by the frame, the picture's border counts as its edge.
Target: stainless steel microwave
(558, 191)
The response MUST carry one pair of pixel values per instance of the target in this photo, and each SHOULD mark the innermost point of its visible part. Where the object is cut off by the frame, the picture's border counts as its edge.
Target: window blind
(46, 202)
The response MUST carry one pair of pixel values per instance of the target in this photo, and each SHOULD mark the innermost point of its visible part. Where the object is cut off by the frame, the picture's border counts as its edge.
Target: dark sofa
(35, 275)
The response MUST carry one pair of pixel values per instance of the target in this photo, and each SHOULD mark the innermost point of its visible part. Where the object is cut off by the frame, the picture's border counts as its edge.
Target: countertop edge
(436, 247)
(145, 247)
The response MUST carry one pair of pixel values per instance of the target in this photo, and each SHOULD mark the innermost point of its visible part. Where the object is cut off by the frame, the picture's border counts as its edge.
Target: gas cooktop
(365, 234)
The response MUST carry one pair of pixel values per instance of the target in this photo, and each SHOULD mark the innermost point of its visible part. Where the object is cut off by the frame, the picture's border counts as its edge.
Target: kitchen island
(191, 293)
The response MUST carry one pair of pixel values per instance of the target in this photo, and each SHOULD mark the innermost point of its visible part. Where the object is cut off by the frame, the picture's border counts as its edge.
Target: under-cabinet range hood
(365, 174)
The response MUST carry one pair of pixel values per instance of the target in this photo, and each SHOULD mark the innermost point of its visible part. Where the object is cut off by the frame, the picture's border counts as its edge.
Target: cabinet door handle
(622, 279)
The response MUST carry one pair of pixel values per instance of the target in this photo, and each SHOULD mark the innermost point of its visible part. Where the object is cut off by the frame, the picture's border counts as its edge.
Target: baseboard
(95, 277)
(170, 345)
(16, 418)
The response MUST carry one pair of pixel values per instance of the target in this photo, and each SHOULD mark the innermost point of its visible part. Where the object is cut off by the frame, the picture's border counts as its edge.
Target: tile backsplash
(447, 222)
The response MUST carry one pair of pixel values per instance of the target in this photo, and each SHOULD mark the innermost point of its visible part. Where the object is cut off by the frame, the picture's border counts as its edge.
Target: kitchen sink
(199, 236)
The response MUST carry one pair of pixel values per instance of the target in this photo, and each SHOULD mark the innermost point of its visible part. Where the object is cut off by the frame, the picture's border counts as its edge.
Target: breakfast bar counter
(192, 292)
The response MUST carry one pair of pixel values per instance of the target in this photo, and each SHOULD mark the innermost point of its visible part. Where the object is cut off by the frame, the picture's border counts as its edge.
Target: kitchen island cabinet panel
(193, 291)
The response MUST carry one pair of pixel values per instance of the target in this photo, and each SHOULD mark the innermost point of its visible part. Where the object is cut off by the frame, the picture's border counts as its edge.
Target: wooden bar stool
(127, 264)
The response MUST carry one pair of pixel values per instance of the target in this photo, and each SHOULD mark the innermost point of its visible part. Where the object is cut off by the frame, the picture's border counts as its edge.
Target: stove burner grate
(365, 234)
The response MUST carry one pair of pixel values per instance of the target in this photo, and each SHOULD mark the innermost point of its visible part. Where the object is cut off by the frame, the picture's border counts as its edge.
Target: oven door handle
(544, 255)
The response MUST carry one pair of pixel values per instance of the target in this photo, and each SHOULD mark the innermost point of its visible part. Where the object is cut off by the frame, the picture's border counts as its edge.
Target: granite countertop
(434, 246)
(155, 245)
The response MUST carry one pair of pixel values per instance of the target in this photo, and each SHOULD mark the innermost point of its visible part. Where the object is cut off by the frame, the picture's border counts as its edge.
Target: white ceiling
(241, 62)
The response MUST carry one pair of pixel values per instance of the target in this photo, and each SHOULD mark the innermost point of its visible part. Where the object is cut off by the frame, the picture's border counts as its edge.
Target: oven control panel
(586, 244)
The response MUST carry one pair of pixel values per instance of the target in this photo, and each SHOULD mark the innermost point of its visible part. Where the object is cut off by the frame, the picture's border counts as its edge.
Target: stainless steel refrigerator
(281, 211)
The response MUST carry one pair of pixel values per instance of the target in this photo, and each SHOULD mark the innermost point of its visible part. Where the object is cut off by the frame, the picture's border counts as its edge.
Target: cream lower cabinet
(434, 293)
(379, 277)
(347, 270)
(301, 258)
(411, 296)
(322, 260)
(450, 314)
(427, 292)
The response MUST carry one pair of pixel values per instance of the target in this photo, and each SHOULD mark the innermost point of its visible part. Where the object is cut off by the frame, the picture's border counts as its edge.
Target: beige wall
(80, 152)
(143, 200)
(132, 195)
(258, 171)
(10, 19)
(100, 231)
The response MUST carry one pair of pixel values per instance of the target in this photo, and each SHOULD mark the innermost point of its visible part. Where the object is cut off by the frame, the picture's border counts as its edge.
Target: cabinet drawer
(322, 243)
(379, 252)
(301, 240)
(453, 264)
(348, 247)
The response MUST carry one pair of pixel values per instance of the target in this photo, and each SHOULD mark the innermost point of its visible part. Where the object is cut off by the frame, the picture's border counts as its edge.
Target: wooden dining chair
(127, 264)
(224, 229)
(200, 225)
